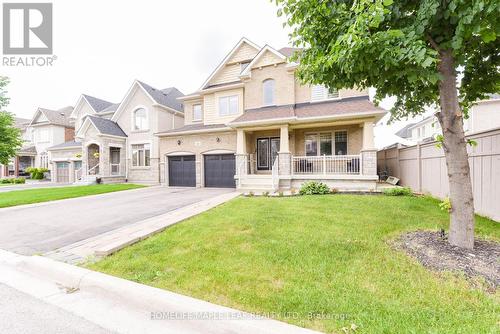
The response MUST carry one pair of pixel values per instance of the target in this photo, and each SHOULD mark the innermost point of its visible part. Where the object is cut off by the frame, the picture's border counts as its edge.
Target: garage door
(62, 172)
(220, 170)
(182, 171)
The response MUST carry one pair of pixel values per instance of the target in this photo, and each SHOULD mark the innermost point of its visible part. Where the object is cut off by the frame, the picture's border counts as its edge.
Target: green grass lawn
(29, 196)
(325, 260)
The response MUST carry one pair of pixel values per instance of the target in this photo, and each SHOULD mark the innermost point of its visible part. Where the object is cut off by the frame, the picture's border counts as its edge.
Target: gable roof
(262, 51)
(21, 123)
(97, 104)
(56, 117)
(288, 51)
(107, 127)
(405, 132)
(68, 144)
(228, 56)
(166, 97)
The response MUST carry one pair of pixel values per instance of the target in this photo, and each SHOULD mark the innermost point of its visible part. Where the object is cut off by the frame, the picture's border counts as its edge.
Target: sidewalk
(123, 306)
(112, 241)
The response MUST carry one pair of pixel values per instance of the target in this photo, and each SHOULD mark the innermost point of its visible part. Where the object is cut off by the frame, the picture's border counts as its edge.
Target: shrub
(265, 193)
(36, 173)
(445, 205)
(406, 191)
(5, 181)
(314, 188)
(20, 180)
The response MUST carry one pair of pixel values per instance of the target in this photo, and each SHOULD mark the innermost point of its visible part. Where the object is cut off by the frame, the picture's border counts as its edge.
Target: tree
(425, 53)
(10, 136)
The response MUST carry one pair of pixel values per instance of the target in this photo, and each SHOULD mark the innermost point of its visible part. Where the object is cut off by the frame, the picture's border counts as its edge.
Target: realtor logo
(27, 28)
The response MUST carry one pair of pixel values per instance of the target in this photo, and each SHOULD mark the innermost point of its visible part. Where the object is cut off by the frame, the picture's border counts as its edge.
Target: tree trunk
(455, 149)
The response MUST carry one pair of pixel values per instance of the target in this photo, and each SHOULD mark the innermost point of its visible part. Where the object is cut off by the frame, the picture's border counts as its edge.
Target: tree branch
(434, 45)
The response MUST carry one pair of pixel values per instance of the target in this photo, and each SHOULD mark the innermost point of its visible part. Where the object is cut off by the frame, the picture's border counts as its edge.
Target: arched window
(268, 92)
(140, 119)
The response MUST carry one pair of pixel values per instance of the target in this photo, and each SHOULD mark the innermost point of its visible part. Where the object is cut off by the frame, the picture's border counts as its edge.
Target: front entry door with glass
(267, 151)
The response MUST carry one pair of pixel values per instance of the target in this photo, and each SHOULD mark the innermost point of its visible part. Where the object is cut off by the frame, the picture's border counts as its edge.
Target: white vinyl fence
(423, 168)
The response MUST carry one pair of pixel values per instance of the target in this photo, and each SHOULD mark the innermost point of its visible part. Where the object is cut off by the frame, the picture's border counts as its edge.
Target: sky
(102, 46)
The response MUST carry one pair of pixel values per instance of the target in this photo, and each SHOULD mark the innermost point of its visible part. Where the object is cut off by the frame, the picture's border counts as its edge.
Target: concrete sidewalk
(123, 306)
(112, 241)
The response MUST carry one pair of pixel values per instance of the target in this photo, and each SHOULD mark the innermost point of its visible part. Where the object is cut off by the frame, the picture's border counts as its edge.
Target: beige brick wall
(188, 110)
(284, 86)
(197, 144)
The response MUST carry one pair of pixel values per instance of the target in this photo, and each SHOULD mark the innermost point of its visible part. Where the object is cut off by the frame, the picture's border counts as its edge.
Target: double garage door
(219, 170)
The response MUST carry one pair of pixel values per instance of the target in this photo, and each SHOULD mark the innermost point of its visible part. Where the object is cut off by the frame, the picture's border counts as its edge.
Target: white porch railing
(275, 174)
(94, 170)
(78, 174)
(327, 164)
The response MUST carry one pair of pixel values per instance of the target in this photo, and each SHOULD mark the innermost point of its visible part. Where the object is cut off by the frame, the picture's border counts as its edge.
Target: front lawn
(29, 196)
(322, 262)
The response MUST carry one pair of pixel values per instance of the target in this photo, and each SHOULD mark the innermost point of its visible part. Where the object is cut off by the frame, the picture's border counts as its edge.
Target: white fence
(326, 164)
(423, 168)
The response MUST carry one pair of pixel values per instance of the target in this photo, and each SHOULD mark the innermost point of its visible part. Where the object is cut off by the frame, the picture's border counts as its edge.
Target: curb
(144, 300)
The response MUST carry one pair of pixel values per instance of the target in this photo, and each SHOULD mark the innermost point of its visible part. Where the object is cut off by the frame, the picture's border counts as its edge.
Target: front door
(267, 151)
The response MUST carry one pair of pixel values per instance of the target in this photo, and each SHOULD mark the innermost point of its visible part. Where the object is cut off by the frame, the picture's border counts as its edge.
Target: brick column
(284, 154)
(241, 152)
(369, 162)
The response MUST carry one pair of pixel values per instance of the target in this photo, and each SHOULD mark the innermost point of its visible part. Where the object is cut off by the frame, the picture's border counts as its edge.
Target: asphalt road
(39, 229)
(21, 313)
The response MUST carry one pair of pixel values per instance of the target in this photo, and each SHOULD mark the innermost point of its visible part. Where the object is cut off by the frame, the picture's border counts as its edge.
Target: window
(228, 105)
(140, 119)
(340, 142)
(321, 93)
(197, 112)
(268, 92)
(141, 155)
(44, 160)
(319, 144)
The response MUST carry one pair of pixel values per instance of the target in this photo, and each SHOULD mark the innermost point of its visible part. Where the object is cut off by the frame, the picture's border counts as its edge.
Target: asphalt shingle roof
(361, 104)
(65, 145)
(97, 104)
(58, 117)
(404, 132)
(107, 127)
(166, 97)
(196, 127)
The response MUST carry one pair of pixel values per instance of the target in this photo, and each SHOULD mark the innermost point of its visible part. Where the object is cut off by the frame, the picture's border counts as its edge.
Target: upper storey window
(321, 93)
(268, 92)
(197, 113)
(140, 119)
(228, 105)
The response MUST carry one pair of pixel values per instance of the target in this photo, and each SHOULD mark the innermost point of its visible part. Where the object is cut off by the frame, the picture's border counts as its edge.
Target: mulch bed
(434, 252)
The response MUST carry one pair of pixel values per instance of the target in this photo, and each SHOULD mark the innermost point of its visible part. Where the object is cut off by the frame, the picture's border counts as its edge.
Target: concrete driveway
(42, 228)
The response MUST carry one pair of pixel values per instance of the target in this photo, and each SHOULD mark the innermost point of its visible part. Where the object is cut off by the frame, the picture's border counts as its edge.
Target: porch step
(87, 180)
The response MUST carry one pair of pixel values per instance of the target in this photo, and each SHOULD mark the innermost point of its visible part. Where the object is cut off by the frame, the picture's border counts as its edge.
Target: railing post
(324, 164)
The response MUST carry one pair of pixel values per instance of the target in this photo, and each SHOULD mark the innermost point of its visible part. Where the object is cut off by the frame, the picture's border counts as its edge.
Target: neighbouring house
(47, 128)
(252, 125)
(115, 142)
(483, 116)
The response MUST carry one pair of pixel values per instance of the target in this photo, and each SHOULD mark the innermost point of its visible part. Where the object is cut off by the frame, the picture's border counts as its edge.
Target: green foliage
(36, 173)
(445, 205)
(10, 137)
(314, 188)
(19, 180)
(398, 191)
(395, 47)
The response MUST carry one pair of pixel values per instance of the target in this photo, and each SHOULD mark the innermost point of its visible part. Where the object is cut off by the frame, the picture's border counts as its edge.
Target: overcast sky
(102, 46)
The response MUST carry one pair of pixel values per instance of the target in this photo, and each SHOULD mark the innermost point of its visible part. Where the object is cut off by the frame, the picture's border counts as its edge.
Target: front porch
(282, 157)
(102, 160)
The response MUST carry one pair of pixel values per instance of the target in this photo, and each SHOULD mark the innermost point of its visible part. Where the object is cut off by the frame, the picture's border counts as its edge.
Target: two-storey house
(115, 142)
(253, 125)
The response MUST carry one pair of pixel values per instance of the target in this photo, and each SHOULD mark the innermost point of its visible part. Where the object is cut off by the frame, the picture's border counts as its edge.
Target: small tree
(414, 51)
(10, 136)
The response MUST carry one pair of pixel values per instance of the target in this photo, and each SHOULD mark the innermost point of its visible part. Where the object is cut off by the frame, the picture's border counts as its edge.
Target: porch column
(368, 152)
(284, 154)
(16, 166)
(241, 152)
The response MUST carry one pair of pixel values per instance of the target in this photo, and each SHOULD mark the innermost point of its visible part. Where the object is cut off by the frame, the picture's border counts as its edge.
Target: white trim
(229, 55)
(132, 125)
(111, 136)
(93, 142)
(220, 151)
(266, 47)
(201, 112)
(179, 153)
(115, 145)
(63, 148)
